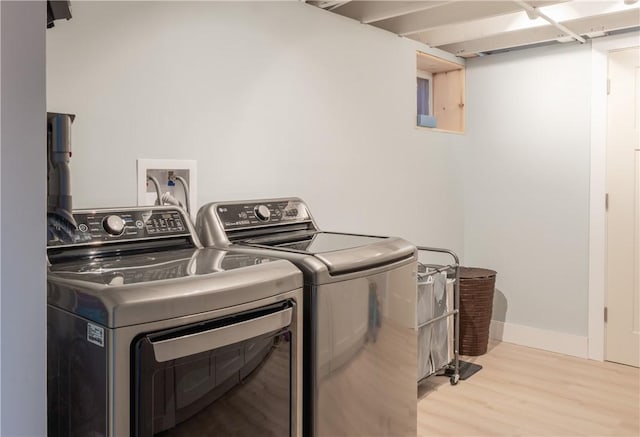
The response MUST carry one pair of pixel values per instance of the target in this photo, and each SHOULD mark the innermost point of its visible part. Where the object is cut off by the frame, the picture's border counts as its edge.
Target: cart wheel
(454, 379)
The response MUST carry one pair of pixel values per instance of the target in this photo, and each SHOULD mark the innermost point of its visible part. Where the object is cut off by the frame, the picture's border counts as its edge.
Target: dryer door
(229, 376)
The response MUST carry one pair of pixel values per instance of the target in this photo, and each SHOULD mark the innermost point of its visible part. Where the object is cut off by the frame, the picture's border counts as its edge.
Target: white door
(623, 217)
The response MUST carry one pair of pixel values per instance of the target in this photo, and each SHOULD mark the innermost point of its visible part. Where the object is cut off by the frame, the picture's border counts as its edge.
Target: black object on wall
(61, 224)
(57, 10)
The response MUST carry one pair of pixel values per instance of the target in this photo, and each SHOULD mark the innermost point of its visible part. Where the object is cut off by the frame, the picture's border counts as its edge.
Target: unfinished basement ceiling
(480, 27)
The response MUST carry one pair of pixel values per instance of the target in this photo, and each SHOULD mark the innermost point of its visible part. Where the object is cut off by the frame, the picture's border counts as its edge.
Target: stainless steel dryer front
(149, 334)
(360, 313)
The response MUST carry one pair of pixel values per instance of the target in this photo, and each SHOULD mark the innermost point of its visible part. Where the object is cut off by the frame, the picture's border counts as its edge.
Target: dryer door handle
(191, 344)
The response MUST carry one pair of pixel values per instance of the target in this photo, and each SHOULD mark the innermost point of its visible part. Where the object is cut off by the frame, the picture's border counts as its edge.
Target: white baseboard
(552, 341)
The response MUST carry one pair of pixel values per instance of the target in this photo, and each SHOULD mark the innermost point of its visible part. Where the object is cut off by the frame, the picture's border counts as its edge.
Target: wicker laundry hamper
(476, 304)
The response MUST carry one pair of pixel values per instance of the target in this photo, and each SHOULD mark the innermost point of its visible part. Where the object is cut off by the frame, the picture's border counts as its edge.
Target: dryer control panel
(254, 214)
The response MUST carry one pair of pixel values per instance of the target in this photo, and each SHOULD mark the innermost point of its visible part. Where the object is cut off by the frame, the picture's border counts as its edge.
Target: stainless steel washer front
(360, 343)
(150, 334)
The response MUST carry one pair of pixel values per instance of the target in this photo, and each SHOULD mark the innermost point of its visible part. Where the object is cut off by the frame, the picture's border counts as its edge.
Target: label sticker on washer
(95, 334)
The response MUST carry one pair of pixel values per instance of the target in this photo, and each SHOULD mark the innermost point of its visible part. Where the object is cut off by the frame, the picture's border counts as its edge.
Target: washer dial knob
(113, 224)
(262, 213)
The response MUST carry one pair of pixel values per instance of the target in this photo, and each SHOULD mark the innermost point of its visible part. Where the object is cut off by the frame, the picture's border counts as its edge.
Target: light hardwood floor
(528, 392)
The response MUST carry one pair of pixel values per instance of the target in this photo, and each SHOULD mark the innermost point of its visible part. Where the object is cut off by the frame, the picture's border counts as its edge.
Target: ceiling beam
(534, 13)
(371, 11)
(627, 19)
(338, 5)
(476, 29)
(449, 13)
(396, 11)
(561, 12)
(328, 4)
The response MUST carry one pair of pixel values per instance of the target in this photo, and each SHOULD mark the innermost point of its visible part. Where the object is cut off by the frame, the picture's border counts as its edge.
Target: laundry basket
(437, 316)
(476, 304)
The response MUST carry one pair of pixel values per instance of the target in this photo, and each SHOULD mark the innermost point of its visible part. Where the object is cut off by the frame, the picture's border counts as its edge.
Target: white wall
(22, 219)
(279, 99)
(527, 184)
(271, 99)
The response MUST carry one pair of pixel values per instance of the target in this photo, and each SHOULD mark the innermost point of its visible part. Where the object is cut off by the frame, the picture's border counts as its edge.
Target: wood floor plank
(528, 392)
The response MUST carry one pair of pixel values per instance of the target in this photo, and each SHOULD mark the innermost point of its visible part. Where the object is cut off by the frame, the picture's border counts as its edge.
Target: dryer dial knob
(113, 224)
(262, 213)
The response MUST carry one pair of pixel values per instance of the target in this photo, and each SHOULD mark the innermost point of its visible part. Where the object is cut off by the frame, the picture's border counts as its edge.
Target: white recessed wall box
(168, 181)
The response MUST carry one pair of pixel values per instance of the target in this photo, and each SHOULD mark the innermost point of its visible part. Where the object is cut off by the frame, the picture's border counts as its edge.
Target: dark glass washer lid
(154, 266)
(317, 242)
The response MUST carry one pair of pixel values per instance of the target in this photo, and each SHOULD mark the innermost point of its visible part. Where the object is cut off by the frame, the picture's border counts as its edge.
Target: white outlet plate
(186, 168)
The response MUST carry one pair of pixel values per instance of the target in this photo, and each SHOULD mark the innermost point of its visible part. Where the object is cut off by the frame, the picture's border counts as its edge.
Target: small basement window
(440, 93)
(425, 103)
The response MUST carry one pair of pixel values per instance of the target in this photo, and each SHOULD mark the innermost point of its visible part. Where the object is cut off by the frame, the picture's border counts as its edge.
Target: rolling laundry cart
(438, 316)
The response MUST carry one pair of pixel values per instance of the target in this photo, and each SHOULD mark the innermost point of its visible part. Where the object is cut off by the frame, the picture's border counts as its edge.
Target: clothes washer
(360, 341)
(149, 334)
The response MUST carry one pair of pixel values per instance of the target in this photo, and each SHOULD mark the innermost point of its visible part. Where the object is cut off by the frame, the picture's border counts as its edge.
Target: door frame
(600, 49)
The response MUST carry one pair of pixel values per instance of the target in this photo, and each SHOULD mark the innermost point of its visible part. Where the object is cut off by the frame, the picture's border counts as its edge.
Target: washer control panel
(262, 213)
(122, 225)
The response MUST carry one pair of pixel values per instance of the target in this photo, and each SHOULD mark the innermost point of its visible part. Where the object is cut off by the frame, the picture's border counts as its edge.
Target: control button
(139, 224)
(113, 224)
(262, 213)
(83, 228)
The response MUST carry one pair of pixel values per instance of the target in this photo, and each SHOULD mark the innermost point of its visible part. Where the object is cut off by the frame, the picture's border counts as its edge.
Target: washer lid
(127, 290)
(317, 242)
(154, 266)
(342, 253)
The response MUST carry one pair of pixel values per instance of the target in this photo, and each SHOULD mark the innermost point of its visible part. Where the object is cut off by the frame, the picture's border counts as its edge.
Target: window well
(439, 93)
